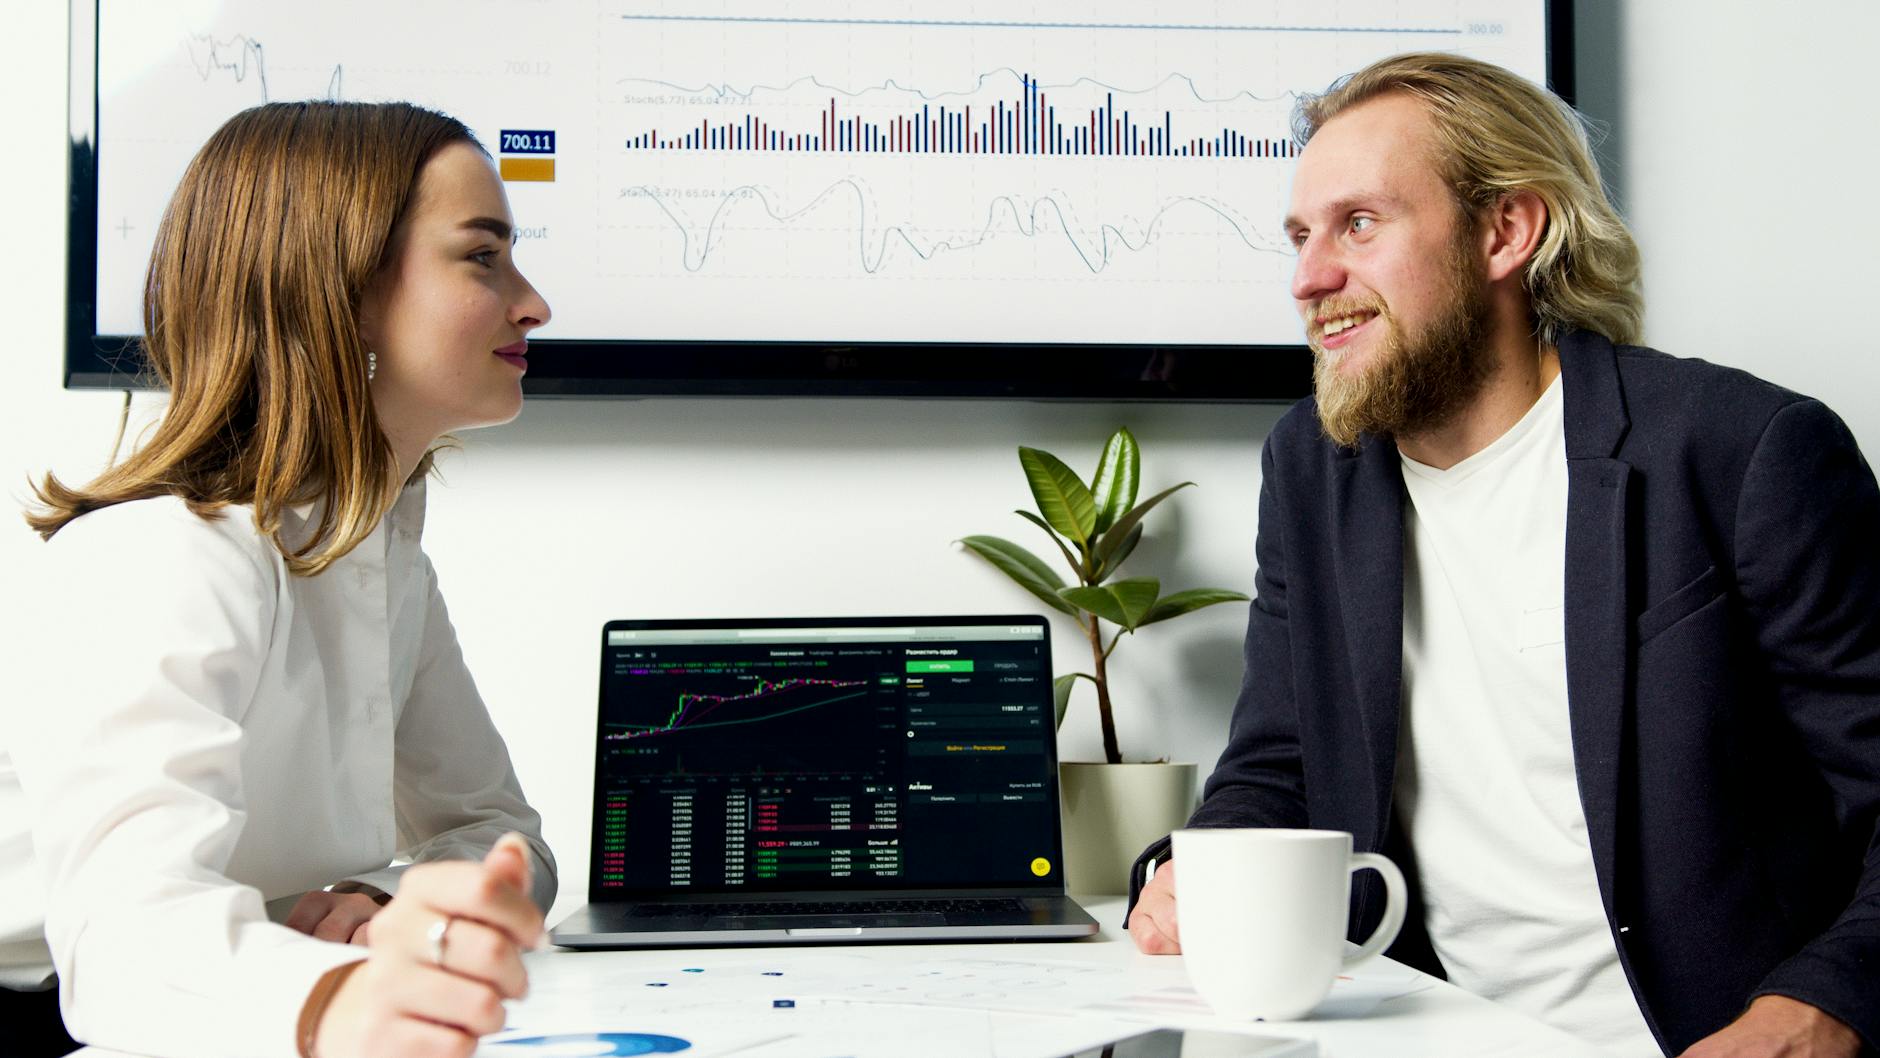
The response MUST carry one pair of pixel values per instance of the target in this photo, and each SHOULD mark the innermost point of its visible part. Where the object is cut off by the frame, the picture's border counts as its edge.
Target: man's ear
(1512, 231)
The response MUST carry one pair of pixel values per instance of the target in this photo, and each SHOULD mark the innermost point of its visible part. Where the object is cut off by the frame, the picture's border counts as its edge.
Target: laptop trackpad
(831, 923)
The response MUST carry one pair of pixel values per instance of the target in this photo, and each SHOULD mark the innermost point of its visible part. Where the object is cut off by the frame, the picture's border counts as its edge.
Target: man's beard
(1416, 382)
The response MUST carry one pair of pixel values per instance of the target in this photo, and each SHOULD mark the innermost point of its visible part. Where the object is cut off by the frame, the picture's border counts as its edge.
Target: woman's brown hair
(251, 321)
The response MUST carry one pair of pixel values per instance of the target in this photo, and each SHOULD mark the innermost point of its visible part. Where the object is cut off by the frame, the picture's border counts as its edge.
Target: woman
(250, 690)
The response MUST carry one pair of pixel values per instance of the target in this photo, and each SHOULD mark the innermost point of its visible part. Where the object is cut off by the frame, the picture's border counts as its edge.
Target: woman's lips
(513, 355)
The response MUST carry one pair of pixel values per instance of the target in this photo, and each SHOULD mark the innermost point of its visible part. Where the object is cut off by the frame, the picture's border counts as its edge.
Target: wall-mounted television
(939, 199)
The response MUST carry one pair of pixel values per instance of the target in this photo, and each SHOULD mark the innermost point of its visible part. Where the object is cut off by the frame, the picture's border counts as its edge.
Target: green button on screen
(940, 666)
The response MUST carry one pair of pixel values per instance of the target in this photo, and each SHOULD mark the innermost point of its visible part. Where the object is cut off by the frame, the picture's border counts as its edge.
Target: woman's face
(448, 314)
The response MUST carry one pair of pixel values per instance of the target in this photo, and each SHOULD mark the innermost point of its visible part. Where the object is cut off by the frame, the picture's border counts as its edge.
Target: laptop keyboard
(981, 906)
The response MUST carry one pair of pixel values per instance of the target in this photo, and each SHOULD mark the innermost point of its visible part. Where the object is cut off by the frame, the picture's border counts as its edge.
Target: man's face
(1390, 279)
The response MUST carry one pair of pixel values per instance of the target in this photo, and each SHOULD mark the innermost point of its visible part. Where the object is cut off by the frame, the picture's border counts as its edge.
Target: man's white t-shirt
(1485, 779)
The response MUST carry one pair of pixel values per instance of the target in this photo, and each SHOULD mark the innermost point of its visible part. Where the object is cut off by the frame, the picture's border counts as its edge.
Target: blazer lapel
(1367, 509)
(1597, 609)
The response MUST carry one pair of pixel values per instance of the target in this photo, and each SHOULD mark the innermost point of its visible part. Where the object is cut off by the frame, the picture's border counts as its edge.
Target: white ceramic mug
(1263, 912)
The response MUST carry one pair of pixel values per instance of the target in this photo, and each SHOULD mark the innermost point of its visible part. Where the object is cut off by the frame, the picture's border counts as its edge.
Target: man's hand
(338, 917)
(413, 996)
(1152, 924)
(1779, 1027)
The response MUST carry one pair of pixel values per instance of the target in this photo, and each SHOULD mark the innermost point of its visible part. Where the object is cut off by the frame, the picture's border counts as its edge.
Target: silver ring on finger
(437, 938)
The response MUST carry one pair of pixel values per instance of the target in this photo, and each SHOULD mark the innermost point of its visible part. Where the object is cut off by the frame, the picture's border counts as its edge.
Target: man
(1585, 637)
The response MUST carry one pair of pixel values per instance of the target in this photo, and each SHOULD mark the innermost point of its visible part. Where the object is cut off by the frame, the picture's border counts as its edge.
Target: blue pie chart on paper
(585, 1044)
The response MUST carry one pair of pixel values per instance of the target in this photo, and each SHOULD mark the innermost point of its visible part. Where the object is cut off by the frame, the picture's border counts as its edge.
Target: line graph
(1096, 245)
(238, 56)
(986, 81)
(820, 171)
(693, 709)
(1006, 173)
(241, 57)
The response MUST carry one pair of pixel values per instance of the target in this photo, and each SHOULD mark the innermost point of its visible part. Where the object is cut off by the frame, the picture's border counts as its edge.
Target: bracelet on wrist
(314, 1008)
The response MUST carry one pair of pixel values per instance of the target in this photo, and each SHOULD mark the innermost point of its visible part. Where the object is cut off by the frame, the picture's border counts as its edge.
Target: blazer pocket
(1699, 593)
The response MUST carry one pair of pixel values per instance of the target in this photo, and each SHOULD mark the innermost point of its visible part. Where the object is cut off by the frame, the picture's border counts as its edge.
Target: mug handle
(1395, 902)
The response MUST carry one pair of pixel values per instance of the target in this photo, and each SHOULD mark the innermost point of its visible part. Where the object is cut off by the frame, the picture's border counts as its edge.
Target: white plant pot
(1112, 812)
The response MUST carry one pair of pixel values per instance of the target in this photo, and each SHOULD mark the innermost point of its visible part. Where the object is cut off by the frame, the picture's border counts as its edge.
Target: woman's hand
(445, 953)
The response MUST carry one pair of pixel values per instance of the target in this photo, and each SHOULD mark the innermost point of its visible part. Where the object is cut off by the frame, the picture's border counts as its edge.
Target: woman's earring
(372, 364)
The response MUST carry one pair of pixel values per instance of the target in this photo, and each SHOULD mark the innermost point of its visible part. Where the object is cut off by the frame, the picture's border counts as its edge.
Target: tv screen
(908, 199)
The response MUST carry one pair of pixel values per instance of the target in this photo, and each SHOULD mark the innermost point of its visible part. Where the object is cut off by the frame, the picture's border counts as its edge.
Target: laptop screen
(841, 754)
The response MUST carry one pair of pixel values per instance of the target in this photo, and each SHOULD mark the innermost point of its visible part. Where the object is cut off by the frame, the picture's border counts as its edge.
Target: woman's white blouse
(200, 733)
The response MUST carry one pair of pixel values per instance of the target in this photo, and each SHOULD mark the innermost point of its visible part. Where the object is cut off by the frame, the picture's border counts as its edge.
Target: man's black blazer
(1723, 679)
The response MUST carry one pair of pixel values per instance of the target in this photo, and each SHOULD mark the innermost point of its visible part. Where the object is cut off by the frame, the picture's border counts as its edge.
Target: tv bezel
(629, 368)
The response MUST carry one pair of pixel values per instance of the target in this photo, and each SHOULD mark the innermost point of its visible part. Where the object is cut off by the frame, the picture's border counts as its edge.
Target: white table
(959, 1000)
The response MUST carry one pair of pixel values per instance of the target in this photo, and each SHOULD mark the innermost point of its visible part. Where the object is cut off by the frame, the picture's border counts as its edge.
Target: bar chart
(1028, 124)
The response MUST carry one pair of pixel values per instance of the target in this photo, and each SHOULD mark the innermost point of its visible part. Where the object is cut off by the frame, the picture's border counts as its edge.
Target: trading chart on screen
(1104, 172)
(767, 759)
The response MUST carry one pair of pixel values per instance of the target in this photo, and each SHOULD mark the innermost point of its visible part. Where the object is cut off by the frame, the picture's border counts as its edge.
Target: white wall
(583, 511)
(1747, 165)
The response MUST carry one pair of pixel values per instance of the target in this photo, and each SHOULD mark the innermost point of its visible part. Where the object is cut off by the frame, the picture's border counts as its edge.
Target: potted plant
(1111, 810)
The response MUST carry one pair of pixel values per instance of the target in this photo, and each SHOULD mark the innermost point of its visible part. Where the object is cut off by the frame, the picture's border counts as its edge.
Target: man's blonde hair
(1496, 133)
(251, 321)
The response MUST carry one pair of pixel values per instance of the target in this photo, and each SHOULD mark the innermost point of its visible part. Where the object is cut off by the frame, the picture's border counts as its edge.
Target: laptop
(784, 781)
